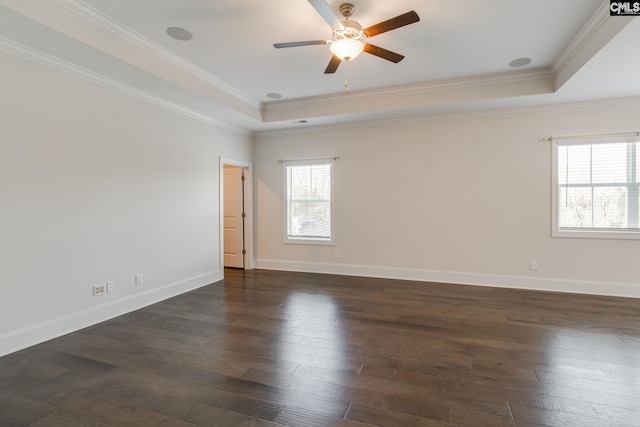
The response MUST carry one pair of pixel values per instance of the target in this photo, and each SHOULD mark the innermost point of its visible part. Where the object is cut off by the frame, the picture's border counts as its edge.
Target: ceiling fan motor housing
(351, 30)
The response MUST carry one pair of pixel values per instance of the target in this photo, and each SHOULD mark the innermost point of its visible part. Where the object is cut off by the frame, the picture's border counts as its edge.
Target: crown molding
(416, 89)
(36, 56)
(97, 17)
(25, 52)
(594, 36)
(592, 26)
(632, 102)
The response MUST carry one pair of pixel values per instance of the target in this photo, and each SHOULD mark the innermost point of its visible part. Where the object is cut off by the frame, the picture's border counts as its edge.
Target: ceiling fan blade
(392, 24)
(296, 44)
(324, 10)
(383, 53)
(333, 65)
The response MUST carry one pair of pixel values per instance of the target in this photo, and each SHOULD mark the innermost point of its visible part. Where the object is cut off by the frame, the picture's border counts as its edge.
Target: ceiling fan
(348, 36)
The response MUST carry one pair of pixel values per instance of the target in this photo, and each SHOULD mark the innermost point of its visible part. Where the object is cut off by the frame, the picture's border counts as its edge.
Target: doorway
(234, 216)
(235, 219)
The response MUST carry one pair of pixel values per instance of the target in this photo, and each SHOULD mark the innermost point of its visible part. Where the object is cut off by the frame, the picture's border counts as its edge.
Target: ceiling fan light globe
(346, 49)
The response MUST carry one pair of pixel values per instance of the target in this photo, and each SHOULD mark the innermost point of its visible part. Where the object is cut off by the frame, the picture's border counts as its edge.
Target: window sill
(612, 235)
(308, 241)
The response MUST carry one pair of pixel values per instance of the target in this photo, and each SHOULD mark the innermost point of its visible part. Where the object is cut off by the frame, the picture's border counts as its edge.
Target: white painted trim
(44, 331)
(584, 35)
(250, 261)
(630, 102)
(25, 52)
(105, 21)
(629, 290)
(597, 33)
(420, 89)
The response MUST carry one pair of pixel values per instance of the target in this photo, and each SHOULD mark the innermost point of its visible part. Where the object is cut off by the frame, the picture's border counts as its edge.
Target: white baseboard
(44, 331)
(629, 290)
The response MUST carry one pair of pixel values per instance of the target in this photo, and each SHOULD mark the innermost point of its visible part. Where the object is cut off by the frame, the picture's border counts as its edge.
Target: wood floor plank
(272, 348)
(469, 418)
(388, 418)
(63, 418)
(16, 409)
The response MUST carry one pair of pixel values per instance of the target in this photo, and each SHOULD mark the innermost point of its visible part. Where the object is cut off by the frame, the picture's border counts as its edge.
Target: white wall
(453, 200)
(98, 186)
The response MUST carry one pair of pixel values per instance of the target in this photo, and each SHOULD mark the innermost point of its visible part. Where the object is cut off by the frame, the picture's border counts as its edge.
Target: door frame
(249, 261)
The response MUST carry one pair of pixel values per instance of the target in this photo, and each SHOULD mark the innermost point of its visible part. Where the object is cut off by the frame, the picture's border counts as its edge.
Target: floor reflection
(599, 368)
(312, 336)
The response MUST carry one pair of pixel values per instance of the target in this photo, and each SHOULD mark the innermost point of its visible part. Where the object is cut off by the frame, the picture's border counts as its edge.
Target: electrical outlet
(336, 254)
(139, 279)
(534, 265)
(100, 289)
(111, 286)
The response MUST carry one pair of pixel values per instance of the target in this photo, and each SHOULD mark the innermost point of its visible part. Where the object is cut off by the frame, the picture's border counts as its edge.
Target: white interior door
(233, 216)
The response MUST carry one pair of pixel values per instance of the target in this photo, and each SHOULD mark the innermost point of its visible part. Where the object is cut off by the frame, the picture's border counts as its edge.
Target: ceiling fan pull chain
(346, 78)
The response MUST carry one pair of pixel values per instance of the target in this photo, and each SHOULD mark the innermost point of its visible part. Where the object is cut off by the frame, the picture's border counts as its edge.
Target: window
(309, 201)
(597, 187)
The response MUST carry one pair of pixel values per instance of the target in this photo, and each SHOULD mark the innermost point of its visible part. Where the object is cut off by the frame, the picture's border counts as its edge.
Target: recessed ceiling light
(520, 62)
(179, 33)
(274, 95)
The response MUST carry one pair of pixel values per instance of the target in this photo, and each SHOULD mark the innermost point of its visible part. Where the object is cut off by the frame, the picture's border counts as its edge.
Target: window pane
(610, 209)
(609, 163)
(574, 207)
(562, 163)
(637, 161)
(574, 164)
(310, 218)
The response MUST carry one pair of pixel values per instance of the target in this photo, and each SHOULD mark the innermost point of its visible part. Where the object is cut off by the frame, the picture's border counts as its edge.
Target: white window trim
(309, 240)
(583, 234)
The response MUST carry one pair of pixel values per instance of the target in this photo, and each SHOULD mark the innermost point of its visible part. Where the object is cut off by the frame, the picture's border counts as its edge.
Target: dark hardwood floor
(267, 348)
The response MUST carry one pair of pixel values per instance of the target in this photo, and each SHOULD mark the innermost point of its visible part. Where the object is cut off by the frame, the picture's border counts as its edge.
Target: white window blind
(309, 201)
(597, 187)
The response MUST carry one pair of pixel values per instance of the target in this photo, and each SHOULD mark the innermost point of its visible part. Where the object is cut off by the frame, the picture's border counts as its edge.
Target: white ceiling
(456, 57)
